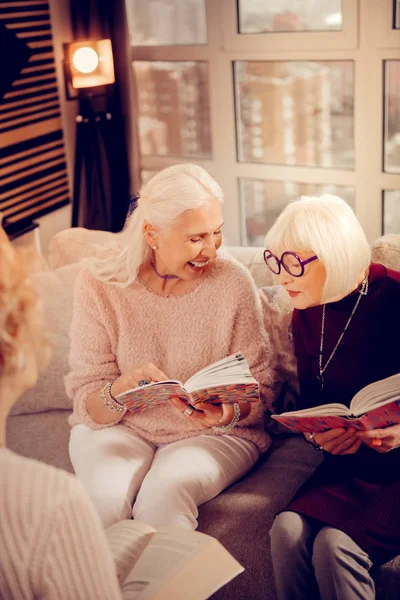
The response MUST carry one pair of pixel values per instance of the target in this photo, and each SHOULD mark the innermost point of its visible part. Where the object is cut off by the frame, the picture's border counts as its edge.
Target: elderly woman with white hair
(163, 304)
(346, 331)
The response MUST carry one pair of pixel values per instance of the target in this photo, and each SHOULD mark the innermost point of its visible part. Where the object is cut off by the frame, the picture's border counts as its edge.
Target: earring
(154, 247)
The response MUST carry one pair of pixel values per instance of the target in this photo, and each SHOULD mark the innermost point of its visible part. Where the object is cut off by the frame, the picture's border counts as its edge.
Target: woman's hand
(127, 381)
(205, 414)
(338, 441)
(94, 403)
(381, 440)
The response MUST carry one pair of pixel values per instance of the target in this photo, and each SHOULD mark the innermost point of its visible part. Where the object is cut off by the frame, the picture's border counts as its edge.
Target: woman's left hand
(205, 414)
(381, 440)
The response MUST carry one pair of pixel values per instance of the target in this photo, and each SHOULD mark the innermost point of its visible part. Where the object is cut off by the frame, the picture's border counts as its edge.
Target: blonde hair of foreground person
(328, 227)
(52, 544)
(163, 199)
(24, 350)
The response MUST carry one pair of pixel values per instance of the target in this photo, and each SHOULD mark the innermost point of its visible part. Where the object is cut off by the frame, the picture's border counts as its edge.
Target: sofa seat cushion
(56, 291)
(43, 436)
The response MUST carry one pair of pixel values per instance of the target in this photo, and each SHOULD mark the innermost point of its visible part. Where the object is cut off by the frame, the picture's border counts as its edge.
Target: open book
(374, 406)
(227, 380)
(169, 563)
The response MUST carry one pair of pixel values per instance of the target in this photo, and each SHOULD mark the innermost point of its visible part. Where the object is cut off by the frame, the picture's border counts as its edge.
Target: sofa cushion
(71, 245)
(253, 259)
(277, 311)
(386, 250)
(56, 290)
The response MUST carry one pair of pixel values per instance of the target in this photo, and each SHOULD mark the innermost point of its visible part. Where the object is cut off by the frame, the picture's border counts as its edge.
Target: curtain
(102, 178)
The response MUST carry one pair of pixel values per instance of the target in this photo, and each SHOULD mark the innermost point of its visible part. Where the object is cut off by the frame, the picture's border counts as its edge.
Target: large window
(275, 99)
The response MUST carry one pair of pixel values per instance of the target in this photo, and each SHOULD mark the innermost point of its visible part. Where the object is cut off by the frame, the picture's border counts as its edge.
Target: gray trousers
(312, 562)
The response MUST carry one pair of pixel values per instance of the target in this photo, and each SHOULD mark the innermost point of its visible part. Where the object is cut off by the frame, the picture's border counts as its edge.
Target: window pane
(262, 202)
(166, 22)
(295, 113)
(392, 116)
(257, 16)
(391, 211)
(174, 116)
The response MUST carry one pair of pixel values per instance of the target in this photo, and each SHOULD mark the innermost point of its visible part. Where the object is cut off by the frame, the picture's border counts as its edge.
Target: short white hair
(163, 199)
(328, 227)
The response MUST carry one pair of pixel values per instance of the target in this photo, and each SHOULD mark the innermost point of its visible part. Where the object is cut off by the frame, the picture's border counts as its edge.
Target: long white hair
(163, 199)
(327, 226)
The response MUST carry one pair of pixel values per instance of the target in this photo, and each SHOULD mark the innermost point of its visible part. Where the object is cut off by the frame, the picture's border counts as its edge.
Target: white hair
(163, 199)
(327, 226)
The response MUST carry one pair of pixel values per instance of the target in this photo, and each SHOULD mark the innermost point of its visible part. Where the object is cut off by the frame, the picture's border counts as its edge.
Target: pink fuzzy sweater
(114, 330)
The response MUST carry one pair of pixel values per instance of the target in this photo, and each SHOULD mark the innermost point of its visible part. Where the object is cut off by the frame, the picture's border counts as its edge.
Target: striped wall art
(33, 176)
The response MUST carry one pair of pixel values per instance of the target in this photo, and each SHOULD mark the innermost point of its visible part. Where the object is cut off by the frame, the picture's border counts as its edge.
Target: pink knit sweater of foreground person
(116, 329)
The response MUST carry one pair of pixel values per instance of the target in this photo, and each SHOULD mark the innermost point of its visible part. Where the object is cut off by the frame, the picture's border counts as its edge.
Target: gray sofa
(241, 516)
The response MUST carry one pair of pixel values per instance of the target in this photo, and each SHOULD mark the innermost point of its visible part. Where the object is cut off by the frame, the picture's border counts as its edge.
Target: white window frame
(346, 38)
(362, 41)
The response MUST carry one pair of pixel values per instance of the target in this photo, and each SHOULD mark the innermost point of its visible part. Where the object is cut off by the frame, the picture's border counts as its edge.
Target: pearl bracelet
(231, 425)
(110, 402)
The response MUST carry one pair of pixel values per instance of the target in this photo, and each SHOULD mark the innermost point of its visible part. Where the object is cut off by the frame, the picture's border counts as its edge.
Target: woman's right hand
(95, 405)
(127, 381)
(338, 441)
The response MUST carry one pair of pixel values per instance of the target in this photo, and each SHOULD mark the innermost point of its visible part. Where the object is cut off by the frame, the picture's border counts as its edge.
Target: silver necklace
(363, 292)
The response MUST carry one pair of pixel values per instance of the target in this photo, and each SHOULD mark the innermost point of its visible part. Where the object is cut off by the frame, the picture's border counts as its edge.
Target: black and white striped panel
(33, 177)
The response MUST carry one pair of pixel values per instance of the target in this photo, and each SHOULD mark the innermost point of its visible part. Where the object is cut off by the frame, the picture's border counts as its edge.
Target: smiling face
(190, 245)
(305, 291)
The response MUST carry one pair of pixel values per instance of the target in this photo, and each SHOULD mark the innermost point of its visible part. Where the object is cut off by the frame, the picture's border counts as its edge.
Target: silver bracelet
(110, 402)
(231, 425)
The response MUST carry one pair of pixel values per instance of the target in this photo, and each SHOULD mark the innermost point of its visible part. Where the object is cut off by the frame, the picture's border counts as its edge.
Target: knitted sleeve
(249, 336)
(71, 559)
(91, 358)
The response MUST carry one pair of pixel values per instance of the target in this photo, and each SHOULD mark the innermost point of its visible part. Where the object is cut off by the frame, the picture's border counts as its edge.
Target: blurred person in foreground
(346, 331)
(52, 544)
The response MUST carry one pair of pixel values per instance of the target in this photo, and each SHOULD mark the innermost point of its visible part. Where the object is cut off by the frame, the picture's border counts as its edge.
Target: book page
(228, 371)
(376, 394)
(127, 540)
(178, 563)
(334, 408)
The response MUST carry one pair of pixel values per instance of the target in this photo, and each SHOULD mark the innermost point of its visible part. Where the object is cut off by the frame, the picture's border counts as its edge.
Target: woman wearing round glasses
(346, 331)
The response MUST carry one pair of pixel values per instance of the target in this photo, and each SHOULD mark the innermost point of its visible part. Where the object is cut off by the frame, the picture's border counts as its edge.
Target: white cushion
(71, 245)
(56, 289)
(386, 250)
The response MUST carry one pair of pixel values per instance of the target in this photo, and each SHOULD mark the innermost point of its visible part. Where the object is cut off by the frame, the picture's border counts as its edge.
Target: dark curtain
(102, 179)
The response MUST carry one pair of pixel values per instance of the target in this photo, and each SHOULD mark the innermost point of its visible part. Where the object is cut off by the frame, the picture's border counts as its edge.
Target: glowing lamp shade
(85, 60)
(89, 64)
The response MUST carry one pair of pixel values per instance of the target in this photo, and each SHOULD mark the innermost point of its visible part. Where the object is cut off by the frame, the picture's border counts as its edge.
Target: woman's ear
(149, 234)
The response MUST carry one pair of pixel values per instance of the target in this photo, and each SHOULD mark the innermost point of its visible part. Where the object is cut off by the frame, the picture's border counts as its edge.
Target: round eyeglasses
(290, 261)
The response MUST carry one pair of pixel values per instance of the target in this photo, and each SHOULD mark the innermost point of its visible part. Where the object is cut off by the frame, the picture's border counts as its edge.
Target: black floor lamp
(89, 78)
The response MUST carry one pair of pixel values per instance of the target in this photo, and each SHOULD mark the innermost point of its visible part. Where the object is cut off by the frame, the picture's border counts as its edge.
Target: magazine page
(376, 394)
(127, 540)
(178, 563)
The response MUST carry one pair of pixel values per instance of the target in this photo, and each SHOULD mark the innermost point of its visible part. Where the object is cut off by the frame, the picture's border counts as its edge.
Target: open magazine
(167, 563)
(374, 406)
(227, 380)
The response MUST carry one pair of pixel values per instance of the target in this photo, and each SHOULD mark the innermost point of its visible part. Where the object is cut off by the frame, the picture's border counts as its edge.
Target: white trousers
(127, 476)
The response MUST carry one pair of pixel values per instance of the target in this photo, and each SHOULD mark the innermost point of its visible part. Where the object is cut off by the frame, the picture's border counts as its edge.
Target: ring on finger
(144, 382)
(376, 442)
(188, 411)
